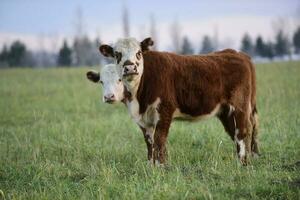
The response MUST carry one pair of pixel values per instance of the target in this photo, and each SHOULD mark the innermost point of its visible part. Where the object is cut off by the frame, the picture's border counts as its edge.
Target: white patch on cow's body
(234, 122)
(241, 144)
(147, 119)
(150, 162)
(179, 115)
(236, 132)
(134, 110)
(231, 110)
(150, 134)
(157, 163)
(109, 76)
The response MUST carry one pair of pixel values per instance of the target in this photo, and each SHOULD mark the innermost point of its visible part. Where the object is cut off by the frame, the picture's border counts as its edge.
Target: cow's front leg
(149, 140)
(160, 138)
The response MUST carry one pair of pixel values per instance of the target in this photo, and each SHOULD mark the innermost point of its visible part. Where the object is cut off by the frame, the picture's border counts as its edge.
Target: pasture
(59, 141)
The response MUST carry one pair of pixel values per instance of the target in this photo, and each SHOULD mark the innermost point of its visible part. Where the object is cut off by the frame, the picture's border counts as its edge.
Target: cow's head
(128, 55)
(113, 88)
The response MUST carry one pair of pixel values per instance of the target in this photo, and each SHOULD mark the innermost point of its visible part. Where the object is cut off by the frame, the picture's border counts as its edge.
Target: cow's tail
(254, 112)
(254, 141)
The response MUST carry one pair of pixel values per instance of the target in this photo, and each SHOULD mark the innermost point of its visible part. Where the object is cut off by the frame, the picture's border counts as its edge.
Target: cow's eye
(120, 80)
(139, 55)
(118, 56)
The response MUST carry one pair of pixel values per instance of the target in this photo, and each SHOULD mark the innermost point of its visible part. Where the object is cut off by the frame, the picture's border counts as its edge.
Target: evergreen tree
(207, 45)
(64, 55)
(260, 47)
(282, 44)
(186, 47)
(247, 45)
(270, 50)
(4, 56)
(85, 52)
(17, 54)
(296, 40)
(4, 53)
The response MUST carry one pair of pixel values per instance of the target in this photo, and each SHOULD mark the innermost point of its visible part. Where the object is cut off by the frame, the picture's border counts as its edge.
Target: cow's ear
(93, 76)
(106, 50)
(146, 43)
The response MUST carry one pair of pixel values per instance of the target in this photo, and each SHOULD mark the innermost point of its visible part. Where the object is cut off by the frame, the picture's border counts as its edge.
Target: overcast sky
(43, 24)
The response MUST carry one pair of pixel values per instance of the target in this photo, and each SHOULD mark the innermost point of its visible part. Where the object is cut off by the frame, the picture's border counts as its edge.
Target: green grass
(59, 141)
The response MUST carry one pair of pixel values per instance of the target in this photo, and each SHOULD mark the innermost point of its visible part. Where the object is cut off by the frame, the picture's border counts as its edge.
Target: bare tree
(142, 31)
(54, 41)
(125, 20)
(79, 23)
(42, 58)
(153, 32)
(281, 24)
(84, 50)
(175, 36)
(216, 37)
(227, 42)
(298, 14)
(283, 36)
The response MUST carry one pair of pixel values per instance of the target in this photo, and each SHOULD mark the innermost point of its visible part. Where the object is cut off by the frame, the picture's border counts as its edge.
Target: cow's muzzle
(129, 69)
(110, 98)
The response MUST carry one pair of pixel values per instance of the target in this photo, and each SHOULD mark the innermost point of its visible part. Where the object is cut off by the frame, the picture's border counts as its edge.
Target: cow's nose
(128, 62)
(109, 98)
(130, 69)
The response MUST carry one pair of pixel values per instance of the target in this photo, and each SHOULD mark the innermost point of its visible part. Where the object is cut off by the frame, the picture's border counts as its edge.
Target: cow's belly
(184, 116)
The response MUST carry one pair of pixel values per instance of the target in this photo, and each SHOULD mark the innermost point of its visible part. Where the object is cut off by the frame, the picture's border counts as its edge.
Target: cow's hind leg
(227, 119)
(243, 135)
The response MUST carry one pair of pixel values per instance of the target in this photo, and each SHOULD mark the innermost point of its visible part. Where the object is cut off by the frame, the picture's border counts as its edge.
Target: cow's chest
(147, 119)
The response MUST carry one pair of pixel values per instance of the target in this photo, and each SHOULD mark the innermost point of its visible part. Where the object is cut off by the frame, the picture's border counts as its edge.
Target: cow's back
(189, 82)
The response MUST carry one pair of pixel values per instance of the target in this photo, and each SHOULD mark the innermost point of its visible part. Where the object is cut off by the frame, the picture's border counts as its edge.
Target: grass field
(59, 141)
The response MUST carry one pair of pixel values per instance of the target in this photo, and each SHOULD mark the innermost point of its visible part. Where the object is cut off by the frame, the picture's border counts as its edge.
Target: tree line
(280, 46)
(84, 52)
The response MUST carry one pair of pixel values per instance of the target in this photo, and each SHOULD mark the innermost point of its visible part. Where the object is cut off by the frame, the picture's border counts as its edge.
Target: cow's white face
(113, 88)
(128, 56)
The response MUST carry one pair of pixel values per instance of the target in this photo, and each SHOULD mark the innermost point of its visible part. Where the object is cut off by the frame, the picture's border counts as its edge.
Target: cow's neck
(127, 96)
(133, 86)
(133, 103)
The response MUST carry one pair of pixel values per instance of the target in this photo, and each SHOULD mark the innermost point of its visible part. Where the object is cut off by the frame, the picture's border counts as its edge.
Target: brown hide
(195, 84)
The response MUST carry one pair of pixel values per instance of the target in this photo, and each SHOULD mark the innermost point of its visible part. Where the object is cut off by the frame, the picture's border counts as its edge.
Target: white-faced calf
(114, 91)
(113, 88)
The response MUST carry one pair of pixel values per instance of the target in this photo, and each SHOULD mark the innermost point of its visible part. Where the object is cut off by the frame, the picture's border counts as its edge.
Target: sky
(44, 24)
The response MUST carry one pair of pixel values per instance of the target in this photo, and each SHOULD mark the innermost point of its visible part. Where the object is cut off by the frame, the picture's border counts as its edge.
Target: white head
(127, 53)
(113, 88)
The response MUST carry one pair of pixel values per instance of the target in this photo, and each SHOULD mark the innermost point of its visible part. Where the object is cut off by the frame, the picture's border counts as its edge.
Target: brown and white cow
(164, 86)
